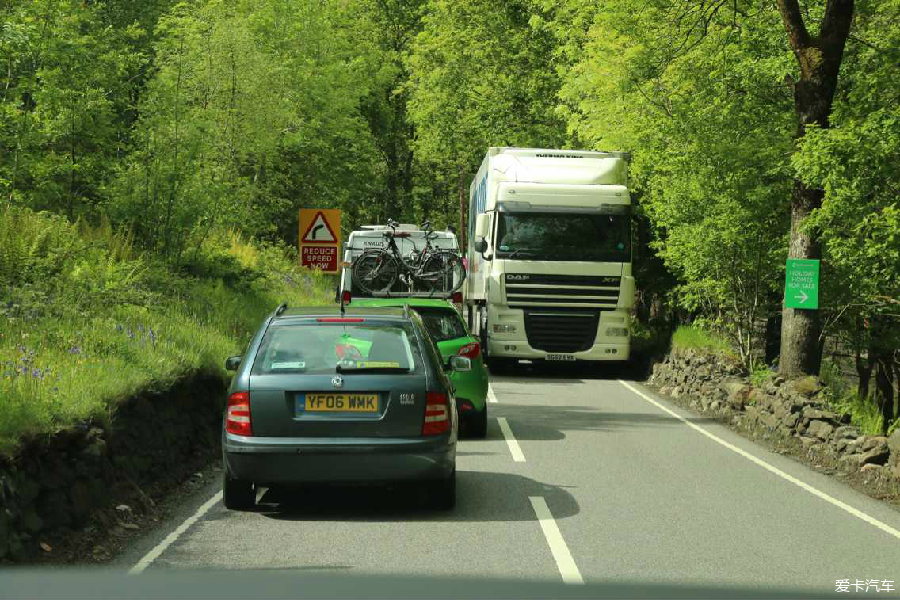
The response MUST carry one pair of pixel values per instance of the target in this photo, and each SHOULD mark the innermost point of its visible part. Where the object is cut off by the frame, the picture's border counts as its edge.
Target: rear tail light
(346, 297)
(437, 414)
(237, 414)
(457, 297)
(470, 351)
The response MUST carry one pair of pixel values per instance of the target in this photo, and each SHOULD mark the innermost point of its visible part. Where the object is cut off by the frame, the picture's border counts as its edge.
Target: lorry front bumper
(522, 350)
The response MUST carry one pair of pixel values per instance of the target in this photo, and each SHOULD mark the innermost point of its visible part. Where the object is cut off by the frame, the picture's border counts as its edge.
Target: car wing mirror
(232, 363)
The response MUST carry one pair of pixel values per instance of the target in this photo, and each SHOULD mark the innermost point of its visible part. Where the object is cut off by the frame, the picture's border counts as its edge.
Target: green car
(453, 339)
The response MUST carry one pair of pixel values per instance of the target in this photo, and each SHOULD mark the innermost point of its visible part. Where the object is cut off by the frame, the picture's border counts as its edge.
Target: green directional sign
(801, 288)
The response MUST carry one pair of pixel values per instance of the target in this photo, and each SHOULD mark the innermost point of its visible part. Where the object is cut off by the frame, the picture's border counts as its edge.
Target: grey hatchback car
(322, 396)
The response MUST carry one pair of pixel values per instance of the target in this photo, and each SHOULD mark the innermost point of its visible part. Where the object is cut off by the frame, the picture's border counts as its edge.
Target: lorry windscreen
(564, 236)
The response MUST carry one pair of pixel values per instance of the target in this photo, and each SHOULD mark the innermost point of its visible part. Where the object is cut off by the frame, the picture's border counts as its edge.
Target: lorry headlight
(504, 328)
(617, 332)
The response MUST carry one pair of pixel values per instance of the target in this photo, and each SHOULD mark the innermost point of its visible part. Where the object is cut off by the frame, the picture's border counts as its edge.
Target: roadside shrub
(690, 337)
(760, 374)
(35, 246)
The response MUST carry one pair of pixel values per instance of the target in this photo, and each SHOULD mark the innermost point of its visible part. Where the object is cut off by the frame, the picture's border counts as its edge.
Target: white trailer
(550, 256)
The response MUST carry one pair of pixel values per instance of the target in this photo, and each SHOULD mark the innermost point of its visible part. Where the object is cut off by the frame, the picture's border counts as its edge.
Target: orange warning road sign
(320, 238)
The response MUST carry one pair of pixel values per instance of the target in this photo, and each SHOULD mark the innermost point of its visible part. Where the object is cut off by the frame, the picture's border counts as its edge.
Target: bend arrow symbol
(802, 297)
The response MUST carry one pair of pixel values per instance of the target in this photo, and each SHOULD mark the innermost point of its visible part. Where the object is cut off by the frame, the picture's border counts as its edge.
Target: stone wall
(776, 409)
(54, 485)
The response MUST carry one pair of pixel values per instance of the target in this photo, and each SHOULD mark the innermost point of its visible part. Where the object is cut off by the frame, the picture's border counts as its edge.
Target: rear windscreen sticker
(288, 365)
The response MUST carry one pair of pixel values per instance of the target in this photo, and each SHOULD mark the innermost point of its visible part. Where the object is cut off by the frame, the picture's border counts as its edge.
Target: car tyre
(237, 494)
(479, 423)
(442, 494)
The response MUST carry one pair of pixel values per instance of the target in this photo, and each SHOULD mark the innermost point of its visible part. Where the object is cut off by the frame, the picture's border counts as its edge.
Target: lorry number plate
(560, 357)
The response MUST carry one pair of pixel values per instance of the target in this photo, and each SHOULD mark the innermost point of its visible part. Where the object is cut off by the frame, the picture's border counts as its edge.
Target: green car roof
(401, 301)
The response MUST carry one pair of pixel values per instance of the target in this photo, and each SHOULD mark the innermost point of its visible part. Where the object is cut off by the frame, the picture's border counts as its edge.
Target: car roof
(335, 311)
(400, 301)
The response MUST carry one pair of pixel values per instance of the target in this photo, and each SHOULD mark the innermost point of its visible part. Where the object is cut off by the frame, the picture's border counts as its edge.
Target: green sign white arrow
(801, 289)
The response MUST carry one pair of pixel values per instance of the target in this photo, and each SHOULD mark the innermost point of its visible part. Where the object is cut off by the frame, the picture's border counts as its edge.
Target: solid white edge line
(564, 561)
(511, 440)
(492, 398)
(815, 492)
(172, 537)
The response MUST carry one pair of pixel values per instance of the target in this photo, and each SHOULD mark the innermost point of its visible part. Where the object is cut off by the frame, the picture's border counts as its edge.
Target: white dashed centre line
(772, 469)
(511, 440)
(490, 396)
(564, 561)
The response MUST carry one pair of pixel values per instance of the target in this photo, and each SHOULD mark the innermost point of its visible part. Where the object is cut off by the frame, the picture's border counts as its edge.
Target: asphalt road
(592, 480)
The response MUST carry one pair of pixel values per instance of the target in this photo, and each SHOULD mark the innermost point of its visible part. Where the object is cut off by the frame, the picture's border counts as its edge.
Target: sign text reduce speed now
(320, 257)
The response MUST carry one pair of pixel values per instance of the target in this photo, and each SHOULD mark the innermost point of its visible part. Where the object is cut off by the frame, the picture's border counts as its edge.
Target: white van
(371, 237)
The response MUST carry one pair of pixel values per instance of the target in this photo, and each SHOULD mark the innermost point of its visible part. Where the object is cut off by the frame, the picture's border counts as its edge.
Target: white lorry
(550, 256)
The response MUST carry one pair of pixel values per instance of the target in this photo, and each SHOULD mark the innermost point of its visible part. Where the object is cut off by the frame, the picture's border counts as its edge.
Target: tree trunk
(884, 383)
(773, 337)
(820, 59)
(864, 371)
(881, 358)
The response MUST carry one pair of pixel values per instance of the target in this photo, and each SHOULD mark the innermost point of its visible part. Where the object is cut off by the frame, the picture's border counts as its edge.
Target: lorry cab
(550, 255)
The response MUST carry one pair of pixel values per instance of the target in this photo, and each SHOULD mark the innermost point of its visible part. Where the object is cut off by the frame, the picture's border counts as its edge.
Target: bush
(760, 374)
(689, 337)
(842, 396)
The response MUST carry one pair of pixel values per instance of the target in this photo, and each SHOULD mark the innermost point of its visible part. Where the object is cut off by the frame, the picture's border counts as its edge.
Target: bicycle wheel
(443, 272)
(374, 272)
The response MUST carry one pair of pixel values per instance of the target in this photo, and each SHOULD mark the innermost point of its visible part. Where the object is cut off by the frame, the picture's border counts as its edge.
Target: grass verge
(688, 337)
(86, 320)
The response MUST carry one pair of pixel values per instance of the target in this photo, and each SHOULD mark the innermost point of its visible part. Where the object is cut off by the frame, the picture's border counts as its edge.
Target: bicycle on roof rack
(432, 270)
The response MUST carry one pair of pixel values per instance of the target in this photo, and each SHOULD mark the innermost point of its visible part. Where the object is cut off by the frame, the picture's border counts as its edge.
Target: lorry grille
(567, 331)
(526, 289)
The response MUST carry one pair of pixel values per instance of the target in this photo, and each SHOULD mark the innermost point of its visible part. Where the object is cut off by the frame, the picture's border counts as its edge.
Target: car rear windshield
(318, 347)
(442, 323)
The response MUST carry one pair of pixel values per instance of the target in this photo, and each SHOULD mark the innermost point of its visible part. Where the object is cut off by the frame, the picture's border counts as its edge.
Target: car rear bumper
(473, 385)
(322, 460)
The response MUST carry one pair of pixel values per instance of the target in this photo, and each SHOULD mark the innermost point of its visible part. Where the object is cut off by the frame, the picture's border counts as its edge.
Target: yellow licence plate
(341, 402)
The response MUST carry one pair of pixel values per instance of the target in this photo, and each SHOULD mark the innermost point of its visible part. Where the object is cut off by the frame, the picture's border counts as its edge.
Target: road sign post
(320, 238)
(801, 288)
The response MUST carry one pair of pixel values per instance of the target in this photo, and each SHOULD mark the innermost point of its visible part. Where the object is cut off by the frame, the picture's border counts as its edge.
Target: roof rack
(281, 308)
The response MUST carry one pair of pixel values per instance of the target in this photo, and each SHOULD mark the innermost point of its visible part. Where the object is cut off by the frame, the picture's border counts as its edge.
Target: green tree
(855, 161)
(480, 77)
(66, 83)
(252, 114)
(819, 56)
(699, 100)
